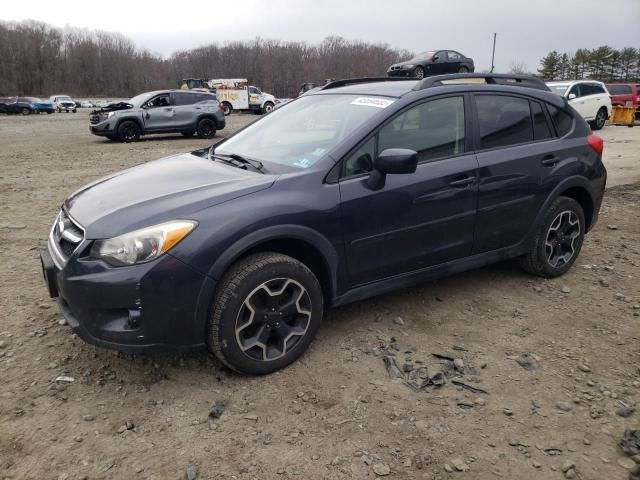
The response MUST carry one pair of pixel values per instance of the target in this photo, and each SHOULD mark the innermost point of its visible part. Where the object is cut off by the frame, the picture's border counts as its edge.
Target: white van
(237, 94)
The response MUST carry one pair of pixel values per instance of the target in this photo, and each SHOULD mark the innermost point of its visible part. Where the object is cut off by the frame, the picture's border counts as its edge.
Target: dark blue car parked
(364, 186)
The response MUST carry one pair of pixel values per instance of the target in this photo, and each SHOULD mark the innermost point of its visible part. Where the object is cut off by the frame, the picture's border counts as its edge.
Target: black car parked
(359, 188)
(435, 62)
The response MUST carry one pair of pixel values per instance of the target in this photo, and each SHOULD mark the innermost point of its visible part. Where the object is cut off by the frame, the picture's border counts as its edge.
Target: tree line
(37, 59)
(603, 63)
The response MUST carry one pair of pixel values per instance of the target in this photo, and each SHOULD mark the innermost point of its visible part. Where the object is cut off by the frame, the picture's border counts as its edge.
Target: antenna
(493, 54)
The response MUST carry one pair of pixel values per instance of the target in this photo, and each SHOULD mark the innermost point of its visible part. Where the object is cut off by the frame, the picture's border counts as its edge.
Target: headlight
(142, 245)
(110, 114)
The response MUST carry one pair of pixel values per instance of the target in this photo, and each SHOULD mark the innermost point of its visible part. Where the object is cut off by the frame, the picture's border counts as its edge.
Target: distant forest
(604, 63)
(37, 59)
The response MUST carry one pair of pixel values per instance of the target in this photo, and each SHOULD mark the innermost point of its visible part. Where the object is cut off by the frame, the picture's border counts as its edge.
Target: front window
(64, 99)
(138, 100)
(303, 131)
(423, 56)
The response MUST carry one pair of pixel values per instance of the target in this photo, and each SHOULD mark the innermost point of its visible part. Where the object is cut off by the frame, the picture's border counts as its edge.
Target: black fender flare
(566, 184)
(280, 232)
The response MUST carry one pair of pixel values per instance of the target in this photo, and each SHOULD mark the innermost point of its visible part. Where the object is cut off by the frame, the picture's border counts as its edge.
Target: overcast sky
(526, 29)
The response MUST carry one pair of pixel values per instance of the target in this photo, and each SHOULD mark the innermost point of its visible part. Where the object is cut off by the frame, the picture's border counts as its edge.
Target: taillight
(596, 143)
(221, 107)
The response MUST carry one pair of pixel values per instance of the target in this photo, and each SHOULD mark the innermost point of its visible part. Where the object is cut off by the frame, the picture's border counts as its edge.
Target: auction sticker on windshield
(372, 102)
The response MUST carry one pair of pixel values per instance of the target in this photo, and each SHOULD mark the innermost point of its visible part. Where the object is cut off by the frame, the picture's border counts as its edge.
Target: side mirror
(392, 161)
(435, 58)
(572, 96)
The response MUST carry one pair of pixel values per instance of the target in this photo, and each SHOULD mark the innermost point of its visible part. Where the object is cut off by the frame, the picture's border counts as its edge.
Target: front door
(416, 220)
(158, 113)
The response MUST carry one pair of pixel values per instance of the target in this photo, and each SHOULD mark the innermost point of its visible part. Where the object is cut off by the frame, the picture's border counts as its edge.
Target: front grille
(66, 236)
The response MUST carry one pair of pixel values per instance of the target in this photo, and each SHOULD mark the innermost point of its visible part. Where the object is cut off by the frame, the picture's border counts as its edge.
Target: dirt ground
(335, 414)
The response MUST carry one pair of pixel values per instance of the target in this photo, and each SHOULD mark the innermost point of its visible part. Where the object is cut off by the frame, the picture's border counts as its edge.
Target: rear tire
(600, 120)
(227, 108)
(463, 70)
(206, 128)
(558, 240)
(129, 131)
(266, 312)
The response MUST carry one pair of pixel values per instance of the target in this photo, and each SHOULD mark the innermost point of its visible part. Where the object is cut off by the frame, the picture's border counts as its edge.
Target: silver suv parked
(162, 111)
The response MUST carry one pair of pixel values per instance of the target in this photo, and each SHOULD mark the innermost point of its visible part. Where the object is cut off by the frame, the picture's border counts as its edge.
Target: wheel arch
(577, 188)
(302, 243)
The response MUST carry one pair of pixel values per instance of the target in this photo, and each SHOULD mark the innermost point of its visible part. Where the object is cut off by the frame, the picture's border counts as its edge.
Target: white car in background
(589, 98)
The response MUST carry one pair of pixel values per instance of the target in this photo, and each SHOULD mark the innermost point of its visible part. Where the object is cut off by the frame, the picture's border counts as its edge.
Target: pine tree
(550, 66)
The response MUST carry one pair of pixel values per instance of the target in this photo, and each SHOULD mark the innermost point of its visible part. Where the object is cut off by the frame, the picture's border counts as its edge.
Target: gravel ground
(557, 358)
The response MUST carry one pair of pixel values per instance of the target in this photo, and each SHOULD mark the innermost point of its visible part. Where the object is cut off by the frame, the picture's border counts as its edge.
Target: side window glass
(454, 56)
(503, 121)
(159, 101)
(576, 91)
(561, 119)
(434, 129)
(360, 161)
(597, 89)
(541, 128)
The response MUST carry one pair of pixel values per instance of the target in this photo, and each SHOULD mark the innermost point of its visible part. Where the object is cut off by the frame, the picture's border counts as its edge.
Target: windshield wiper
(239, 161)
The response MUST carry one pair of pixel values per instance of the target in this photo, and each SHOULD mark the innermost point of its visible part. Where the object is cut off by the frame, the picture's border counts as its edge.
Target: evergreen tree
(550, 66)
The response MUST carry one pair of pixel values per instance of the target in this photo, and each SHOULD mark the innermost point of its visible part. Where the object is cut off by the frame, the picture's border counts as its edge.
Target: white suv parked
(589, 98)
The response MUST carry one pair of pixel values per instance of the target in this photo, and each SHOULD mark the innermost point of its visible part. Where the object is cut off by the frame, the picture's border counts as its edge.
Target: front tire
(418, 72)
(267, 108)
(600, 120)
(25, 111)
(128, 132)
(206, 128)
(557, 241)
(266, 312)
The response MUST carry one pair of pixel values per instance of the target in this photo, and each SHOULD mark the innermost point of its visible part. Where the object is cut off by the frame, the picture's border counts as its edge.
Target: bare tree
(518, 67)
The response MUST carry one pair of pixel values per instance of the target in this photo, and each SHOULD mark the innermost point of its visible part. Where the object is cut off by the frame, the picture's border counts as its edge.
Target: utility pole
(493, 54)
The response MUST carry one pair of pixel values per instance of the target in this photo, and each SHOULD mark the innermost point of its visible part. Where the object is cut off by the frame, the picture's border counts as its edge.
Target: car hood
(155, 192)
(112, 107)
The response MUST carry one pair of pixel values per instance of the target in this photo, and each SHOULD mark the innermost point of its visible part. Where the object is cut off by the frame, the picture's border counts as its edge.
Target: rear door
(416, 220)
(454, 62)
(516, 152)
(185, 112)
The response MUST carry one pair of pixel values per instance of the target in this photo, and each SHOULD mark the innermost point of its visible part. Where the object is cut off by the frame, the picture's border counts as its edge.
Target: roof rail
(489, 78)
(351, 81)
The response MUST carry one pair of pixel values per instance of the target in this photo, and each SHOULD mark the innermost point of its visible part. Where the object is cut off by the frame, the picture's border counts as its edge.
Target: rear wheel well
(581, 196)
(302, 251)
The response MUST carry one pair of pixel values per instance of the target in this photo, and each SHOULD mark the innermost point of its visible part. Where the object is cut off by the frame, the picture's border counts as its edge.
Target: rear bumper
(136, 309)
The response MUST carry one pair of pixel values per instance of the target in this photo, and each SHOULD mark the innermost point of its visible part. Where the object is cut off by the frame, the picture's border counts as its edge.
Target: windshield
(559, 89)
(63, 98)
(301, 132)
(423, 56)
(139, 100)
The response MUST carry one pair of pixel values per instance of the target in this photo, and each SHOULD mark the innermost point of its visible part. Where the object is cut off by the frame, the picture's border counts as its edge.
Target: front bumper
(158, 305)
(103, 127)
(400, 73)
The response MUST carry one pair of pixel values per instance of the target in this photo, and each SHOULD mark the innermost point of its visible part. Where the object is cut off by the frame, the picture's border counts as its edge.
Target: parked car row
(25, 105)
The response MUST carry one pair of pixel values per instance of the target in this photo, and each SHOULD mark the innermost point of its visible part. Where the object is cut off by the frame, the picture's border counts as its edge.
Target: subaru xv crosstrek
(359, 188)
(161, 111)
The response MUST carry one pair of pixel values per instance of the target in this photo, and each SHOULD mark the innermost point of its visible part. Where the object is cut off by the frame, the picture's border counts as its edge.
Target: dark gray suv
(162, 111)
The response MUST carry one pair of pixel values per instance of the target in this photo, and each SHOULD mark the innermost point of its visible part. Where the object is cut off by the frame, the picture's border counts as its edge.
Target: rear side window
(503, 121)
(561, 120)
(184, 98)
(204, 97)
(596, 89)
(620, 89)
(434, 129)
(541, 128)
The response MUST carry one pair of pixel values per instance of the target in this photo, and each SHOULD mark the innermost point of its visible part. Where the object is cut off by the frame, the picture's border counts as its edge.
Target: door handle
(549, 160)
(462, 182)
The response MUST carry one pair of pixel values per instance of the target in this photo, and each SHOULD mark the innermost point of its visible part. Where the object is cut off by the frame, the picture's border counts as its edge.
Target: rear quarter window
(561, 120)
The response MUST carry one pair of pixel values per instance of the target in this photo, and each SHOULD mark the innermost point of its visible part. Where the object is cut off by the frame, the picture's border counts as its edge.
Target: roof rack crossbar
(489, 78)
(352, 81)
